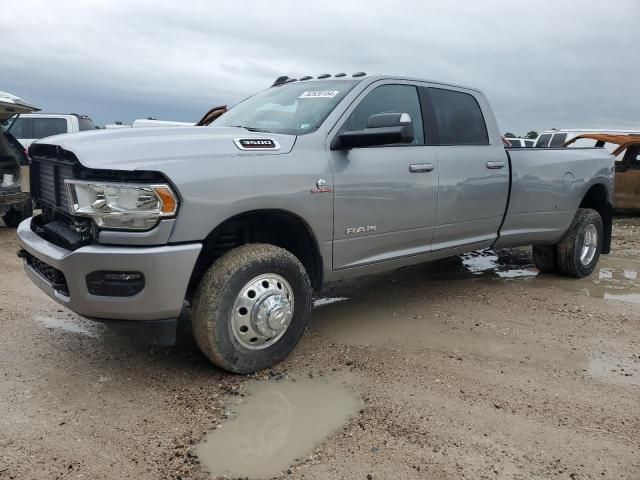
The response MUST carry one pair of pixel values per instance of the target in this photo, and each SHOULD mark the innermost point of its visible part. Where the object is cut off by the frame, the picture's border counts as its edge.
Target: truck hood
(11, 105)
(146, 148)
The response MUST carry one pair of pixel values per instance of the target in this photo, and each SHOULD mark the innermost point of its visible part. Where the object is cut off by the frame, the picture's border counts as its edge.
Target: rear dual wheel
(251, 308)
(577, 253)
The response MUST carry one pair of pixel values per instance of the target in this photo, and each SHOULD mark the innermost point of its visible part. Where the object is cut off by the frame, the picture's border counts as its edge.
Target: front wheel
(251, 308)
(579, 250)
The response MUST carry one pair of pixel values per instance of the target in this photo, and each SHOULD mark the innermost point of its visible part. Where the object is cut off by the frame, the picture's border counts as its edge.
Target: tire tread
(209, 294)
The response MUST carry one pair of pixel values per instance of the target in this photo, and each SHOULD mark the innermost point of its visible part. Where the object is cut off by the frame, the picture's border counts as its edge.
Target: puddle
(76, 325)
(512, 263)
(616, 278)
(277, 423)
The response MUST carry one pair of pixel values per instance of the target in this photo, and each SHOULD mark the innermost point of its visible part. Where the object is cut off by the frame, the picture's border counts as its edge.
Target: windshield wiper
(251, 129)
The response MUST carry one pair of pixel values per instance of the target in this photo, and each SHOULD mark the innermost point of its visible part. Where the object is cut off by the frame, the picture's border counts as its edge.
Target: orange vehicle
(627, 178)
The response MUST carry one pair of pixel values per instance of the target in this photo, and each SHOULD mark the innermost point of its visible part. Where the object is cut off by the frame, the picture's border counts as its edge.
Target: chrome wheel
(589, 244)
(262, 311)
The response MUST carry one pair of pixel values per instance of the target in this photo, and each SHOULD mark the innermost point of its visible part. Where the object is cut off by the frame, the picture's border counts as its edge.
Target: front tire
(579, 250)
(251, 308)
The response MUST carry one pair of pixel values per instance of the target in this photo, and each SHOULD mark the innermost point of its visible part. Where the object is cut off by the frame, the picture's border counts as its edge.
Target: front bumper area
(167, 270)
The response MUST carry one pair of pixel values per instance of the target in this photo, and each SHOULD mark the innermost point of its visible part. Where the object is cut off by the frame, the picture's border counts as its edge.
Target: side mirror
(382, 129)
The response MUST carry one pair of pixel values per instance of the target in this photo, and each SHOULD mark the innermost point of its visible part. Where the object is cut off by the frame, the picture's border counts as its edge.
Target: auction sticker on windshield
(319, 94)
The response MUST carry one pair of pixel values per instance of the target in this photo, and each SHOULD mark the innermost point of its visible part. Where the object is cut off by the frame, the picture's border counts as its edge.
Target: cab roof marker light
(341, 74)
(306, 77)
(324, 75)
(280, 81)
(359, 74)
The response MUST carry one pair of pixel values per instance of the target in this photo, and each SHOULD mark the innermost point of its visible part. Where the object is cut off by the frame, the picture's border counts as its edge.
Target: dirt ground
(474, 367)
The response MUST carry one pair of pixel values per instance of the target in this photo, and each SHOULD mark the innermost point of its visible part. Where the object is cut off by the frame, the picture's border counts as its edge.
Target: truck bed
(547, 186)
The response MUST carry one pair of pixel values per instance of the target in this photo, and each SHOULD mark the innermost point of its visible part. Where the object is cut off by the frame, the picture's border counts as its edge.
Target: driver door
(384, 196)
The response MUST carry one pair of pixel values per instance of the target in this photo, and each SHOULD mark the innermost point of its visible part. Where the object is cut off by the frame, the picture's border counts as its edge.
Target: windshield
(294, 108)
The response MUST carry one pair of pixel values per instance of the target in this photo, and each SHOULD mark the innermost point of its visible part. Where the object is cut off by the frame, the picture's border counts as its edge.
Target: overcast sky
(542, 64)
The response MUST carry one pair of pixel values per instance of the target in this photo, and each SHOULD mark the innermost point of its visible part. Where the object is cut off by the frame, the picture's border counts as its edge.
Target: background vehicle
(15, 205)
(152, 122)
(557, 137)
(304, 183)
(521, 142)
(34, 126)
(627, 155)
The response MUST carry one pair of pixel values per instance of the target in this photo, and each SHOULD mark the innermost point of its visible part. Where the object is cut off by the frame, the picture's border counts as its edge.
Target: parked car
(627, 155)
(15, 205)
(555, 138)
(307, 182)
(520, 142)
(34, 126)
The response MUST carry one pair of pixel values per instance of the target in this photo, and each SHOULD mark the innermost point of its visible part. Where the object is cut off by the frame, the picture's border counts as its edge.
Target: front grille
(51, 187)
(48, 173)
(54, 276)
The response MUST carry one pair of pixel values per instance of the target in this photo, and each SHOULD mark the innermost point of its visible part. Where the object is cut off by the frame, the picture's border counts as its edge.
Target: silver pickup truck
(309, 181)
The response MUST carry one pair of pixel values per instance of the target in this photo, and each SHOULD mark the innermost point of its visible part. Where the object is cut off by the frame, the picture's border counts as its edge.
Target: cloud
(543, 64)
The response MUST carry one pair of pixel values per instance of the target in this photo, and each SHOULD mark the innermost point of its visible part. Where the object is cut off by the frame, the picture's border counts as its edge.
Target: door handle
(495, 165)
(421, 167)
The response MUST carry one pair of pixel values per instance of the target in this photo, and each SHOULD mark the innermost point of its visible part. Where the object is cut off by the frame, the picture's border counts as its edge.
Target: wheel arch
(278, 227)
(597, 198)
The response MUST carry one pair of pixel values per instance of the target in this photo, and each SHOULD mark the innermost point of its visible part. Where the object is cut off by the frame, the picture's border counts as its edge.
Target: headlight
(121, 206)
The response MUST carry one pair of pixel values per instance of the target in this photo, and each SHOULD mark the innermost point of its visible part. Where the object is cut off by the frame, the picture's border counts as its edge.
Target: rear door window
(528, 143)
(45, 127)
(543, 140)
(558, 139)
(458, 118)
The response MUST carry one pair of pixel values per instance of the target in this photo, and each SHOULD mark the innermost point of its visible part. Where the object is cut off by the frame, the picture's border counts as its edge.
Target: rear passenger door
(473, 173)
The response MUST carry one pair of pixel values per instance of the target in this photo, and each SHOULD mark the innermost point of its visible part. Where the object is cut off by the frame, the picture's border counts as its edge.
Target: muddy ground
(473, 367)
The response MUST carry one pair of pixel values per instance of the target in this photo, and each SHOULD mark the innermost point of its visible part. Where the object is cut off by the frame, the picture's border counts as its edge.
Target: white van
(555, 138)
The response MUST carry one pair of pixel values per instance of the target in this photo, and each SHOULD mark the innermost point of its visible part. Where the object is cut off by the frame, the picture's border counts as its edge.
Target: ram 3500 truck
(307, 182)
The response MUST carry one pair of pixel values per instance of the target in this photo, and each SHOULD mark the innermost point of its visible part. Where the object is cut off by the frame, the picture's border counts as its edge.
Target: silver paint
(455, 205)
